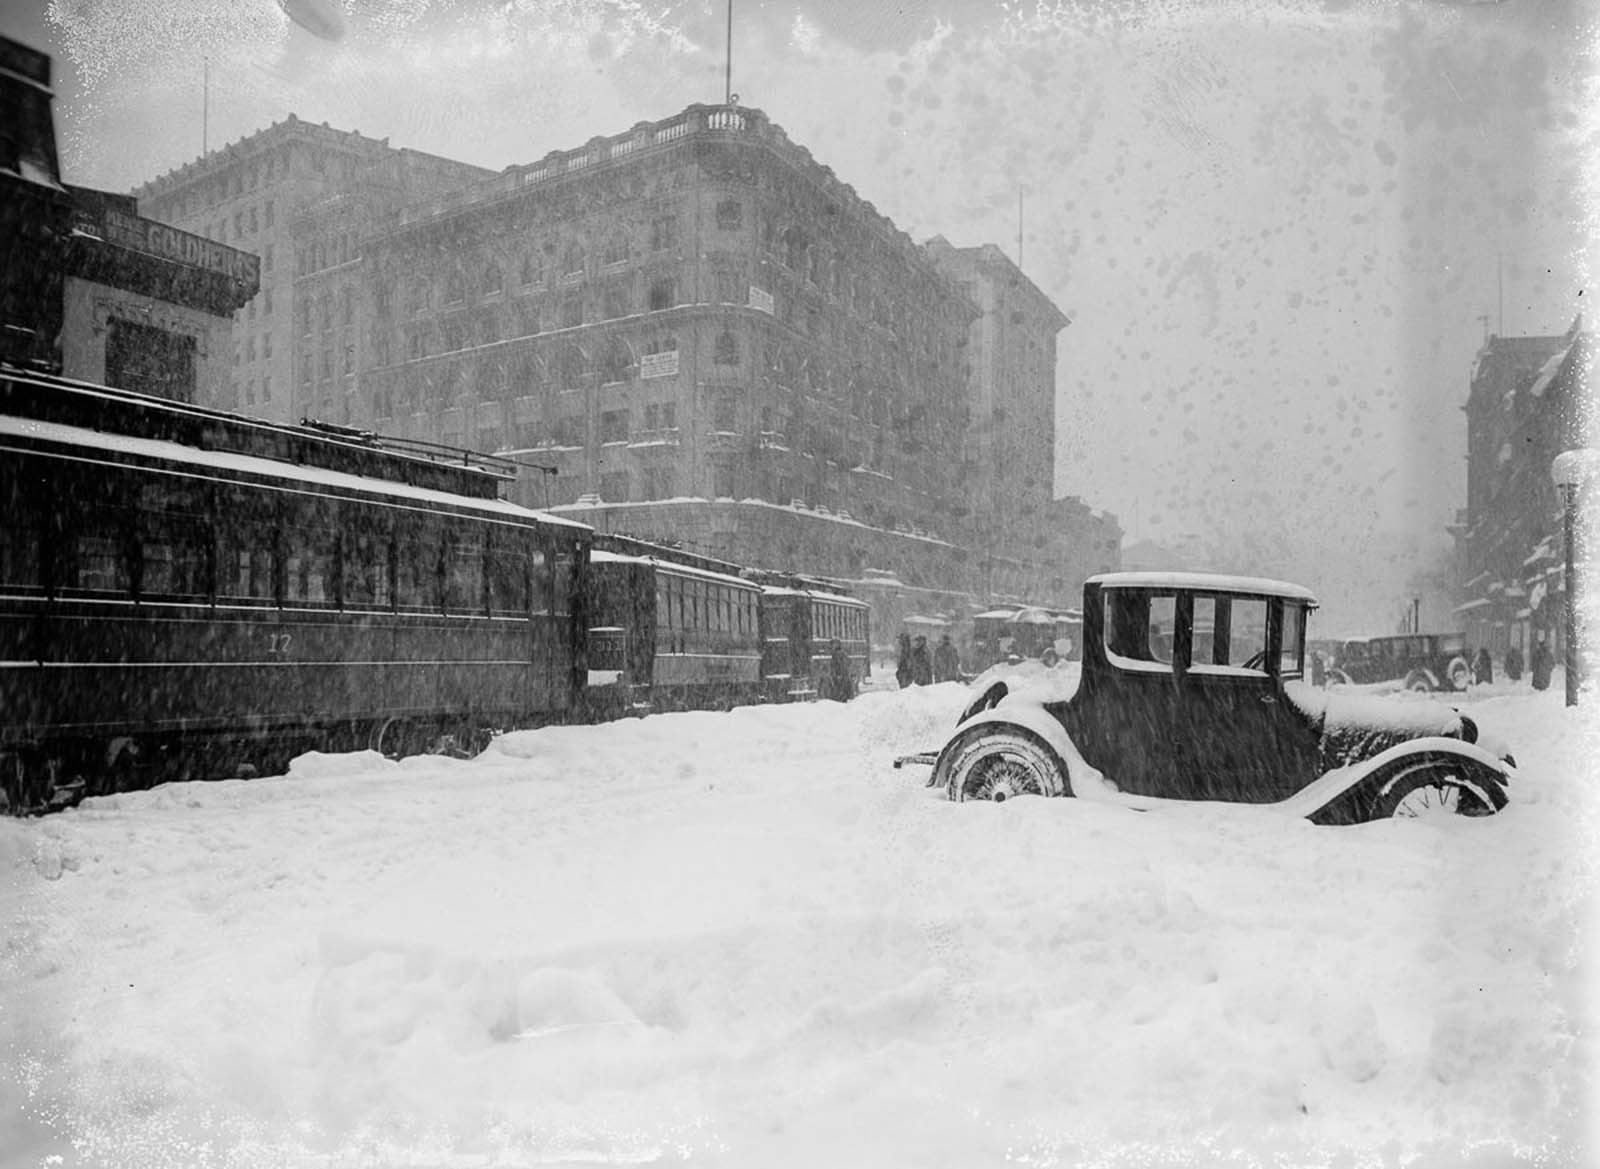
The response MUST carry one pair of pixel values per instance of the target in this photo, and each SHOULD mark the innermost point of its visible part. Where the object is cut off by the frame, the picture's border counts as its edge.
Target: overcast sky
(1276, 226)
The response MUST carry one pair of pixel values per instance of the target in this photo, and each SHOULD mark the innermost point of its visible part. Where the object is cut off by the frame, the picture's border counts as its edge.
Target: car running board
(921, 759)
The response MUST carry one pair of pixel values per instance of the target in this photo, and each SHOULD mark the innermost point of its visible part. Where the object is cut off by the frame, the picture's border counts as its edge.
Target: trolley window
(95, 528)
(416, 565)
(539, 573)
(247, 536)
(563, 569)
(174, 539)
(20, 565)
(463, 572)
(507, 567)
(311, 551)
(365, 555)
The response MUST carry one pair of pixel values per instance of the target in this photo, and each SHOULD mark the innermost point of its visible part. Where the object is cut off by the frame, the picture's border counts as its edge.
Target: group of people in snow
(1541, 664)
(914, 666)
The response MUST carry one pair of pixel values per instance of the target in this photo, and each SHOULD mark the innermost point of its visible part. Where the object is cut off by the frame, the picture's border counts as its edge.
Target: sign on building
(659, 364)
(761, 299)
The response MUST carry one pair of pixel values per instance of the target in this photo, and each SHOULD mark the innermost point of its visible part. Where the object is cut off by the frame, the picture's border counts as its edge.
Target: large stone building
(691, 331)
(88, 287)
(253, 195)
(1523, 409)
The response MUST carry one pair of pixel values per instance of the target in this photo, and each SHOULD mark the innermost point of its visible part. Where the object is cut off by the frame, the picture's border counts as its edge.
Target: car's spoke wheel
(1429, 800)
(999, 764)
(1427, 790)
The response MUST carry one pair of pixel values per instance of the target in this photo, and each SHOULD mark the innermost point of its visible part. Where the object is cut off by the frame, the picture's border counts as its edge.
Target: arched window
(531, 271)
(616, 250)
(455, 288)
(492, 280)
(572, 260)
(726, 351)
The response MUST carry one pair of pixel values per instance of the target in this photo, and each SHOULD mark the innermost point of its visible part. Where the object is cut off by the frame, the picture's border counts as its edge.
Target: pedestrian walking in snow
(1482, 667)
(842, 682)
(1513, 664)
(1542, 664)
(921, 664)
(946, 662)
(902, 663)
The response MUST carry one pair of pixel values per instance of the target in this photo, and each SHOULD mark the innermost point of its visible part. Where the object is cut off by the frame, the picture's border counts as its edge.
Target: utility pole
(1019, 228)
(727, 72)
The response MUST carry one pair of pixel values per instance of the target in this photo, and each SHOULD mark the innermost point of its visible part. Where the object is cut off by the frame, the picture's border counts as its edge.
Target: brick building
(254, 195)
(1522, 410)
(700, 332)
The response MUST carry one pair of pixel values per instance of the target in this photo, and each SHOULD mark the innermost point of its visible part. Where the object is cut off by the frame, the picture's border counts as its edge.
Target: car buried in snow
(1192, 690)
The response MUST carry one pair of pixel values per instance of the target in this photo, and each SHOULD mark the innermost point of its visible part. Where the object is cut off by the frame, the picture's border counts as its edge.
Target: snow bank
(744, 939)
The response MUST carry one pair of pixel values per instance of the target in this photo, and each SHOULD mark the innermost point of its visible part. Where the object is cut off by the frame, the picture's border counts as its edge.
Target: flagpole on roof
(727, 72)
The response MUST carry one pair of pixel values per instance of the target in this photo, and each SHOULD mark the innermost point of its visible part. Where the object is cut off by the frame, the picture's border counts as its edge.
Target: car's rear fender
(1333, 785)
(1030, 718)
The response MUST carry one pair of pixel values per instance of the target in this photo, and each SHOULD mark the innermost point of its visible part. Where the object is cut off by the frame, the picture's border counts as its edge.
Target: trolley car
(187, 592)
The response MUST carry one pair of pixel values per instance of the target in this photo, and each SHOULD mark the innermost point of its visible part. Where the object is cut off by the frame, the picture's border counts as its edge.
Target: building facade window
(725, 411)
(726, 350)
(614, 426)
(616, 301)
(730, 215)
(663, 233)
(663, 294)
(614, 487)
(571, 310)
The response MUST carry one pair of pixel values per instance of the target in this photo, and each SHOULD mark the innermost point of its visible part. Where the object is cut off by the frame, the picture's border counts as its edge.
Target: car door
(1122, 717)
(1240, 738)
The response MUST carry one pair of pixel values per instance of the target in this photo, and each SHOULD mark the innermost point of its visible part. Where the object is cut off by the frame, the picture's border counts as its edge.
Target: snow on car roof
(157, 448)
(1203, 581)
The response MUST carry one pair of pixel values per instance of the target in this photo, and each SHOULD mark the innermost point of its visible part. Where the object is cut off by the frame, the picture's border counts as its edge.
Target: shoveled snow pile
(746, 940)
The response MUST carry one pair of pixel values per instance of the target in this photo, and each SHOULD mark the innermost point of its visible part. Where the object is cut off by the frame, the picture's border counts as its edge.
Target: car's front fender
(1032, 718)
(1332, 786)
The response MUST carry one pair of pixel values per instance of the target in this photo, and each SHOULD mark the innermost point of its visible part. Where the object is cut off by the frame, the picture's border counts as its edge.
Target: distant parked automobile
(1192, 690)
(1421, 661)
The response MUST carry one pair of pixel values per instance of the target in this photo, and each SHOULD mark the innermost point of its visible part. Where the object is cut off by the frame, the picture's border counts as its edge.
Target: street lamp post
(1570, 471)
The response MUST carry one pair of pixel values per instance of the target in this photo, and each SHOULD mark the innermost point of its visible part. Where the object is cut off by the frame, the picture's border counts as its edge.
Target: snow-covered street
(745, 939)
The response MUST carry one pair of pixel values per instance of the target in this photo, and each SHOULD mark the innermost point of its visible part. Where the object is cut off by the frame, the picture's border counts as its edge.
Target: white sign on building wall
(761, 299)
(659, 364)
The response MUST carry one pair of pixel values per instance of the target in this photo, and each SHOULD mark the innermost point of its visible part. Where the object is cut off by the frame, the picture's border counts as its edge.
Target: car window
(1291, 653)
(1230, 636)
(1163, 620)
(1138, 627)
(1203, 647)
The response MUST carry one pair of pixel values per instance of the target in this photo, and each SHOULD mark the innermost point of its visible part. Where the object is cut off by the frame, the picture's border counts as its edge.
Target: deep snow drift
(744, 939)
